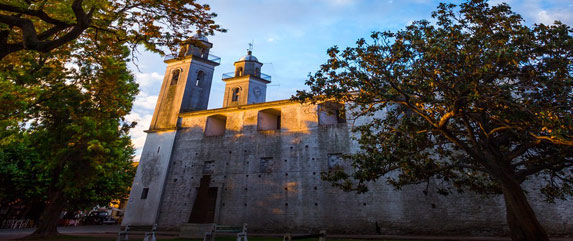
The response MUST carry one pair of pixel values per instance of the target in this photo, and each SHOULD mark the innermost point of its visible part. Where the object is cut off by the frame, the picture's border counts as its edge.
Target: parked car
(99, 217)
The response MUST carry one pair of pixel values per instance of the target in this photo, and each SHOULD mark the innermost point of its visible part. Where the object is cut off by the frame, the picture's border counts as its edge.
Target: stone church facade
(259, 163)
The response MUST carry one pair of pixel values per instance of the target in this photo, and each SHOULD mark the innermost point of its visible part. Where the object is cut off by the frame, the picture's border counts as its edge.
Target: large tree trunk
(523, 224)
(48, 224)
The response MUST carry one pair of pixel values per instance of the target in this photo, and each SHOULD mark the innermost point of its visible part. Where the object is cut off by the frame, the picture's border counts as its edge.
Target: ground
(87, 238)
(109, 233)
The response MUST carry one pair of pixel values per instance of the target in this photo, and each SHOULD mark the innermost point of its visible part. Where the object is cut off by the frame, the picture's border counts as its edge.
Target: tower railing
(228, 75)
(210, 57)
(265, 77)
(214, 58)
(232, 75)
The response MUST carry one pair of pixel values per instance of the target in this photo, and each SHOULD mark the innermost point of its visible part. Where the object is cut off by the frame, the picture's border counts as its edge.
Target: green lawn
(91, 238)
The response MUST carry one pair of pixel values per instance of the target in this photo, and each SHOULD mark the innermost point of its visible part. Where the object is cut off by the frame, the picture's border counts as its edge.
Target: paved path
(111, 231)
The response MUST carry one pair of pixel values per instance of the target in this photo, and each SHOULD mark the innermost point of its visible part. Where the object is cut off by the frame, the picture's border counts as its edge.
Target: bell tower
(247, 85)
(186, 84)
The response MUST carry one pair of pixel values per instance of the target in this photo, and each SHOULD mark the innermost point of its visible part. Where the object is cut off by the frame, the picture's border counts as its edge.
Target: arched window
(258, 72)
(200, 76)
(175, 76)
(182, 51)
(235, 94)
(239, 72)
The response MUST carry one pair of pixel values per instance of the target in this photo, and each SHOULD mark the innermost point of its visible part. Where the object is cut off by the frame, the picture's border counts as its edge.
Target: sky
(291, 37)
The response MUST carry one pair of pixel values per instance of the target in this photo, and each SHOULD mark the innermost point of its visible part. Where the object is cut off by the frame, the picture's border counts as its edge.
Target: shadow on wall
(261, 171)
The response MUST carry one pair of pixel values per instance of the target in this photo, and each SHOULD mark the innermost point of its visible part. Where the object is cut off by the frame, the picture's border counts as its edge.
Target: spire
(250, 49)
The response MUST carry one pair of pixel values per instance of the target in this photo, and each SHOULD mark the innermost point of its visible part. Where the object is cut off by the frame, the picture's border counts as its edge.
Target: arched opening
(175, 76)
(239, 72)
(235, 96)
(182, 51)
(331, 113)
(258, 72)
(269, 119)
(215, 125)
(200, 77)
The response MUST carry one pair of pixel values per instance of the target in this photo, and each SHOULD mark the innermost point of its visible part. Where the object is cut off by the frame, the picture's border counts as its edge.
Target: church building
(258, 162)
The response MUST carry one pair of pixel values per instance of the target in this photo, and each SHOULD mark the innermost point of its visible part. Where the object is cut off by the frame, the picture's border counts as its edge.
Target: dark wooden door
(205, 203)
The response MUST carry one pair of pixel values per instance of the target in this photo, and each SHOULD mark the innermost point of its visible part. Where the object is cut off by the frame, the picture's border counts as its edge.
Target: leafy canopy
(472, 99)
(66, 135)
(44, 25)
(65, 89)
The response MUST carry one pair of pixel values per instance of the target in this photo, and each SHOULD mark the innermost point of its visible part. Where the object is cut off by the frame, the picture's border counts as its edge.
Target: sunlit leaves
(468, 94)
(157, 25)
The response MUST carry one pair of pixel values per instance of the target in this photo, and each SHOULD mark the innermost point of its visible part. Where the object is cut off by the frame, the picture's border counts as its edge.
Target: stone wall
(271, 180)
(151, 174)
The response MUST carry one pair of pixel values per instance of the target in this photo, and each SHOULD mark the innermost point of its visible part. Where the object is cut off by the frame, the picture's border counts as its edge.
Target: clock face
(257, 91)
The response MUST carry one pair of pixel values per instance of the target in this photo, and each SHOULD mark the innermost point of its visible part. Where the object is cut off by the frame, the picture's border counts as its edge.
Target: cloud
(550, 16)
(143, 108)
(340, 2)
(137, 135)
(145, 101)
(148, 79)
(546, 11)
(291, 38)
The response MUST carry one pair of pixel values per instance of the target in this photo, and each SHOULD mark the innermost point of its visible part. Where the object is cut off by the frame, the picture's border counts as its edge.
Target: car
(99, 217)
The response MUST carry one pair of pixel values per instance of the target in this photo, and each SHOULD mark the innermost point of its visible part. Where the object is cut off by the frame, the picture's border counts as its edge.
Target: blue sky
(291, 38)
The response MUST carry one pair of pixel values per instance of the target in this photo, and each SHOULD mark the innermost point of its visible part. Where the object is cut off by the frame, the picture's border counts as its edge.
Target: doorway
(205, 203)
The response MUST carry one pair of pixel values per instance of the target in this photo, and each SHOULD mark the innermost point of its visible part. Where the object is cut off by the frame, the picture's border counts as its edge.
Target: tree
(476, 100)
(22, 181)
(44, 25)
(79, 151)
(66, 88)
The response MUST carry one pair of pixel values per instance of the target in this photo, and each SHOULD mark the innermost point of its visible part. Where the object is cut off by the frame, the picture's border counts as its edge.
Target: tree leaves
(46, 25)
(460, 100)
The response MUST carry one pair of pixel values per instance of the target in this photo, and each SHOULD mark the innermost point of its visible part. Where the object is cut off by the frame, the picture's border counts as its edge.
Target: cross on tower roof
(250, 49)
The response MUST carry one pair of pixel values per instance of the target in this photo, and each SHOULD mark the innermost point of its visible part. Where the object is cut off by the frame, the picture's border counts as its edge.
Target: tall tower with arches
(187, 82)
(185, 88)
(247, 85)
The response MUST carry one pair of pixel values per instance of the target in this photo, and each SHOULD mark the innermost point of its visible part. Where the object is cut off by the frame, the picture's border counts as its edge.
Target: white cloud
(137, 135)
(550, 16)
(546, 12)
(341, 2)
(148, 79)
(145, 101)
(291, 37)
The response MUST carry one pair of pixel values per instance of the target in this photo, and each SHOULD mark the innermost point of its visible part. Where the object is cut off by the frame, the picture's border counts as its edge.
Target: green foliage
(21, 176)
(472, 101)
(65, 89)
(67, 134)
(44, 25)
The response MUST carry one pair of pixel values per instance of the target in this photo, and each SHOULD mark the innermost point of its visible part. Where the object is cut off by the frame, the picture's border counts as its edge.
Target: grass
(94, 238)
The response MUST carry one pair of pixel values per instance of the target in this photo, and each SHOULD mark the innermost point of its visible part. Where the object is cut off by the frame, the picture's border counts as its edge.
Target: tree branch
(557, 163)
(36, 13)
(552, 140)
(518, 151)
(30, 38)
(470, 132)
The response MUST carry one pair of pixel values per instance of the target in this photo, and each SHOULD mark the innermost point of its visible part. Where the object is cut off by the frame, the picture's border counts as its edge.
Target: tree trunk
(523, 224)
(48, 223)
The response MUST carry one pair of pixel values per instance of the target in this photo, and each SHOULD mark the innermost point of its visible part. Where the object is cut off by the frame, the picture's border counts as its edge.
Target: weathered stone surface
(292, 197)
(151, 174)
(270, 179)
(186, 89)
